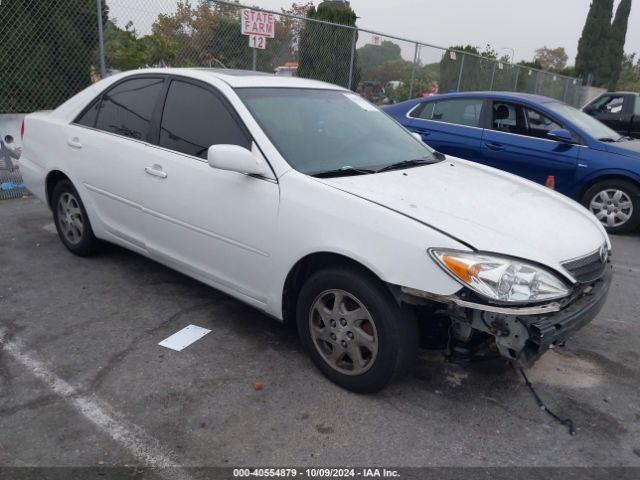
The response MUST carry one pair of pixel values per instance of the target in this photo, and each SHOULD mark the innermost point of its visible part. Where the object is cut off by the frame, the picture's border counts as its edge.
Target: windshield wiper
(608, 139)
(343, 172)
(409, 163)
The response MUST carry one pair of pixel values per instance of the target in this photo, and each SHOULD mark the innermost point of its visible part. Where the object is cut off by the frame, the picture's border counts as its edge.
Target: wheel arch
(308, 265)
(608, 175)
(52, 179)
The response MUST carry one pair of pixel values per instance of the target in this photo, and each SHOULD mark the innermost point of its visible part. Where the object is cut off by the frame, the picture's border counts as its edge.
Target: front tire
(616, 203)
(353, 329)
(72, 221)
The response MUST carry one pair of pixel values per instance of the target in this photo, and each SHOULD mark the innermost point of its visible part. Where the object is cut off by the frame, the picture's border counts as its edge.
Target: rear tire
(366, 340)
(72, 221)
(615, 203)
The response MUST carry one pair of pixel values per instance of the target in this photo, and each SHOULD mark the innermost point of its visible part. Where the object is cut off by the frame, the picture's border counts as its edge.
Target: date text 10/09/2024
(316, 472)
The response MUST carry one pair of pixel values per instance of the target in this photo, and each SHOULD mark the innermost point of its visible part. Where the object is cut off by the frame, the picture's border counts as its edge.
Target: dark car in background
(618, 110)
(538, 138)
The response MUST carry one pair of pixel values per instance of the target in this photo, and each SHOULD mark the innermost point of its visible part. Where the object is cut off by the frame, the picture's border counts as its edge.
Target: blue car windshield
(589, 125)
(325, 130)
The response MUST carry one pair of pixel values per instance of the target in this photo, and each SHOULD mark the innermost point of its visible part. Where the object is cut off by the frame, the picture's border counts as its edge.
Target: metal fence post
(493, 74)
(460, 74)
(254, 60)
(103, 69)
(515, 84)
(413, 70)
(353, 56)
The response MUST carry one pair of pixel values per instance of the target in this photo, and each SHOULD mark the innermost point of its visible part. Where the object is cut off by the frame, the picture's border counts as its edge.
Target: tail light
(22, 130)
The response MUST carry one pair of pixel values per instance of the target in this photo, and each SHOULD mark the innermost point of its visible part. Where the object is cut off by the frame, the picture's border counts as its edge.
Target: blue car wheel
(616, 203)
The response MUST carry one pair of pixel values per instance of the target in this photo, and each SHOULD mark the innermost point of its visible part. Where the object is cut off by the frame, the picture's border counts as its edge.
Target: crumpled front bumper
(547, 331)
(524, 333)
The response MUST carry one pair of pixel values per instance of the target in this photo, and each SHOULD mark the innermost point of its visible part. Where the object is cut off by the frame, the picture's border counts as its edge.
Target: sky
(520, 25)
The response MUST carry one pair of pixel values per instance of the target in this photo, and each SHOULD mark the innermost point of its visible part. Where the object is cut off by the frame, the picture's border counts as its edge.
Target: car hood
(486, 209)
(630, 148)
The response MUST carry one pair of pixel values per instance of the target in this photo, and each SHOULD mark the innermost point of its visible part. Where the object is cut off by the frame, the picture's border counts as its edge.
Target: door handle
(494, 146)
(156, 171)
(74, 143)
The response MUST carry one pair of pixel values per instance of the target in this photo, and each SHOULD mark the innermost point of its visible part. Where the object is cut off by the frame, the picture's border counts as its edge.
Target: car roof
(237, 78)
(497, 95)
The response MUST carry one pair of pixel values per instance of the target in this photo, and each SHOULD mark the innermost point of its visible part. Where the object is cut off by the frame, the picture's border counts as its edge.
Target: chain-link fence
(50, 50)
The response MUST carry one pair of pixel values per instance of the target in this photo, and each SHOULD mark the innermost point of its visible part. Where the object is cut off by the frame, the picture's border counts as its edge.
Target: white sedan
(305, 201)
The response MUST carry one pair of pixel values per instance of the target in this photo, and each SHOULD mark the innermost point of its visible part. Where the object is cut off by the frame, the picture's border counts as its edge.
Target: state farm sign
(258, 23)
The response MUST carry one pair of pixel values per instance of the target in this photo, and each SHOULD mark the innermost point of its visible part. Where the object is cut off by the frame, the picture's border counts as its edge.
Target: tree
(325, 51)
(388, 71)
(210, 35)
(617, 40)
(47, 56)
(371, 56)
(593, 47)
(123, 50)
(552, 59)
(206, 36)
(629, 74)
(423, 79)
(478, 69)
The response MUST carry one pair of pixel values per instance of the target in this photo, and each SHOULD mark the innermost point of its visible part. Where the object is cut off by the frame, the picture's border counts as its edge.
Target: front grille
(588, 268)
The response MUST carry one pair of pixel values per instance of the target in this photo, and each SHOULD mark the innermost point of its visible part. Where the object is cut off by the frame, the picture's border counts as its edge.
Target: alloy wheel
(70, 219)
(612, 207)
(343, 332)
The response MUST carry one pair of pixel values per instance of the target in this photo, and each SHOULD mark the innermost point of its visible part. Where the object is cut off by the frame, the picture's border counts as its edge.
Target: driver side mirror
(235, 159)
(560, 135)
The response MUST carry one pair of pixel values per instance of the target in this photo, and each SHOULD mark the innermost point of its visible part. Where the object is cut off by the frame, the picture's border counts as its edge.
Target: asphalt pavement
(83, 381)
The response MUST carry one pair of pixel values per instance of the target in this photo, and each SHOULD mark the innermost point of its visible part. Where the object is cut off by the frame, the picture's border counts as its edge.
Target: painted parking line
(132, 437)
(183, 338)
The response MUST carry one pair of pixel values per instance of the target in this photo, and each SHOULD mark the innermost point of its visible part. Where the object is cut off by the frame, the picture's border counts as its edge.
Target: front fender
(322, 219)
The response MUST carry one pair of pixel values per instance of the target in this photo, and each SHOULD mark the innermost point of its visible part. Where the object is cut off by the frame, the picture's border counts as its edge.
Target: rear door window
(460, 112)
(509, 118)
(194, 118)
(126, 109)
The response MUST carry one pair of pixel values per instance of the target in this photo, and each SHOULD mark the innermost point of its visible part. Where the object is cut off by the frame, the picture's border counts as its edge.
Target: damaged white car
(305, 201)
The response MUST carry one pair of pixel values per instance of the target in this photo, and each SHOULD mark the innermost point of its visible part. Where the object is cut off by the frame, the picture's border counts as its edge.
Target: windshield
(319, 131)
(586, 123)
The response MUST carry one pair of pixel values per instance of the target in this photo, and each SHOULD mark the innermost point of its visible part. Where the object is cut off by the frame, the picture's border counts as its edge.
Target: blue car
(538, 138)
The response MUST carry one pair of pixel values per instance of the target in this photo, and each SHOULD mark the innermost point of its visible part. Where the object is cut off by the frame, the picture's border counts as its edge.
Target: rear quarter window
(424, 111)
(90, 115)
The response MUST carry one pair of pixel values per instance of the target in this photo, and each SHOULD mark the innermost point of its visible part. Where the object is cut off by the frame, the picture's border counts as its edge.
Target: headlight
(501, 278)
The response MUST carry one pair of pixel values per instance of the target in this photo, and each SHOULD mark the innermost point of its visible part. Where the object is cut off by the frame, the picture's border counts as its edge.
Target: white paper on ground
(185, 337)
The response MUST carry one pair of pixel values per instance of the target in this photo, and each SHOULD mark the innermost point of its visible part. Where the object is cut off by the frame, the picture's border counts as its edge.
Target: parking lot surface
(84, 382)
